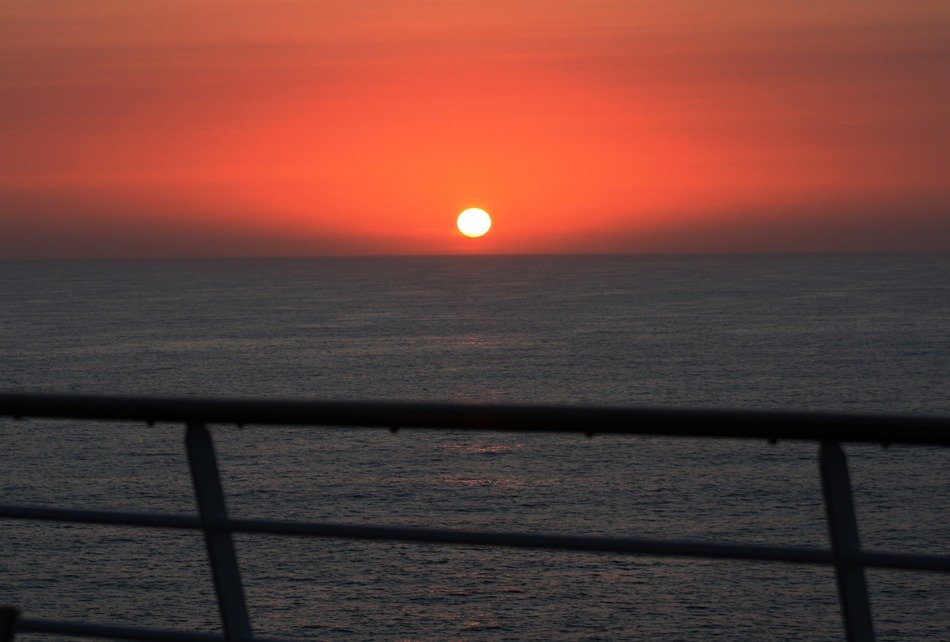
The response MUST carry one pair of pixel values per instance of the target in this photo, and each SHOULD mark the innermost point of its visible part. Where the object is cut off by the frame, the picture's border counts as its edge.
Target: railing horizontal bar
(592, 544)
(512, 540)
(904, 561)
(92, 630)
(426, 535)
(115, 518)
(749, 424)
(536, 541)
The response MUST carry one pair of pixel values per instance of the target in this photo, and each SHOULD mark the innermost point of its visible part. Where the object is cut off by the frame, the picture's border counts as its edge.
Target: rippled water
(857, 333)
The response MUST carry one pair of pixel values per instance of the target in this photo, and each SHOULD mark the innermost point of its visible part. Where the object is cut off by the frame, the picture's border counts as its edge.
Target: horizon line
(301, 257)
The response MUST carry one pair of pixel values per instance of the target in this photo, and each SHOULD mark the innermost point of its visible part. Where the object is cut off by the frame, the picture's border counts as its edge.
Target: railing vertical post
(845, 545)
(221, 555)
(8, 618)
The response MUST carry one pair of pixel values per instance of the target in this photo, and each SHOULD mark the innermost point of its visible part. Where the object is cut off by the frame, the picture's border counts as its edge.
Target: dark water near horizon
(853, 333)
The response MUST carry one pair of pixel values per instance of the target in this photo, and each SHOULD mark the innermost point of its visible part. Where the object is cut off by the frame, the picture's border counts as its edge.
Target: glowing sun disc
(474, 222)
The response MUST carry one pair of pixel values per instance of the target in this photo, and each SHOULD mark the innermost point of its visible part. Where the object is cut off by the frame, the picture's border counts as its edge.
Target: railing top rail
(671, 422)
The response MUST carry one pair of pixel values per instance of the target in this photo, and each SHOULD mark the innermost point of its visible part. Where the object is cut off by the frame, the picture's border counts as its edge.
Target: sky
(305, 127)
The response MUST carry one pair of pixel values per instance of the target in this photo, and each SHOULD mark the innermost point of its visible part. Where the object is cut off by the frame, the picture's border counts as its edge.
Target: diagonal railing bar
(845, 543)
(827, 428)
(214, 515)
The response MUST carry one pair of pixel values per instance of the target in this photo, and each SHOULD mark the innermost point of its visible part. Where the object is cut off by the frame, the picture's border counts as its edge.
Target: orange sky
(239, 128)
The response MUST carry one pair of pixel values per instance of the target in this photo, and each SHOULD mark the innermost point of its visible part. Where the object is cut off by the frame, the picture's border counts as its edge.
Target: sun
(474, 222)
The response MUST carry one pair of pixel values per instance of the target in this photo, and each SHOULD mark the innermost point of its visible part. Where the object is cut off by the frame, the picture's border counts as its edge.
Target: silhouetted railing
(845, 554)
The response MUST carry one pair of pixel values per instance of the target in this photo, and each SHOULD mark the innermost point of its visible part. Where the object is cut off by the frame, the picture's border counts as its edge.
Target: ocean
(859, 333)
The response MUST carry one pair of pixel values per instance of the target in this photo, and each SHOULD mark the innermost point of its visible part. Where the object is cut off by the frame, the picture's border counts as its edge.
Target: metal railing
(829, 430)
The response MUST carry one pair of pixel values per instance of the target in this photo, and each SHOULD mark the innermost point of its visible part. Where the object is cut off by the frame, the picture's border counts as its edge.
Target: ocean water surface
(850, 333)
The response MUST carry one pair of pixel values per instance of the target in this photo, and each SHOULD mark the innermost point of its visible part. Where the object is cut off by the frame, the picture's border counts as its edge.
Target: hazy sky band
(214, 128)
